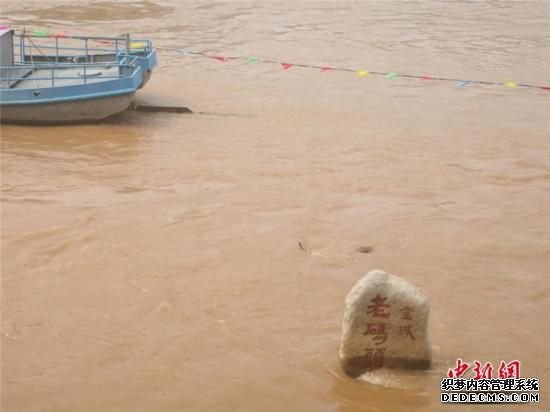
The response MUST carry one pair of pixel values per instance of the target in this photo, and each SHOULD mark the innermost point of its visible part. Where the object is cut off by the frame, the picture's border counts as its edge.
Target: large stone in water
(385, 325)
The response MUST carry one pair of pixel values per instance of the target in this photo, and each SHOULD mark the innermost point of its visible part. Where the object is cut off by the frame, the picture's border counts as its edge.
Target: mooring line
(460, 82)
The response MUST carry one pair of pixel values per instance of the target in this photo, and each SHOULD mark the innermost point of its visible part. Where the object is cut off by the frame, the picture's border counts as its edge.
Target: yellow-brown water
(151, 263)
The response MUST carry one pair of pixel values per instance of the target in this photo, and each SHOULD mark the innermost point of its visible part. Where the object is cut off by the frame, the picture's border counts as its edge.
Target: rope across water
(460, 82)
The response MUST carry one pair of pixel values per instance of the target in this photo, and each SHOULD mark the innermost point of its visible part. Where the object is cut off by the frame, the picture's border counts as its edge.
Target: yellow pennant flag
(137, 45)
(363, 73)
(510, 84)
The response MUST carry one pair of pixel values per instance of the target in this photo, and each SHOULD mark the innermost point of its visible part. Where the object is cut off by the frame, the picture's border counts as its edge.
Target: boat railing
(36, 76)
(38, 47)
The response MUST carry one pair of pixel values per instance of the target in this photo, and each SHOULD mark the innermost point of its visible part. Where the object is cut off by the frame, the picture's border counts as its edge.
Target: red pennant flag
(286, 66)
(59, 35)
(427, 78)
(221, 58)
(546, 88)
(326, 69)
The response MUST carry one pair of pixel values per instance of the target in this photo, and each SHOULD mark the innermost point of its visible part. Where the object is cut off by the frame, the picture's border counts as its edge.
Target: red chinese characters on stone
(406, 312)
(509, 370)
(374, 358)
(483, 372)
(461, 368)
(406, 332)
(378, 330)
(378, 307)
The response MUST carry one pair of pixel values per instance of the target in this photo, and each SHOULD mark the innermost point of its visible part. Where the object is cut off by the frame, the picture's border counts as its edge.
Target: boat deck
(17, 75)
(47, 77)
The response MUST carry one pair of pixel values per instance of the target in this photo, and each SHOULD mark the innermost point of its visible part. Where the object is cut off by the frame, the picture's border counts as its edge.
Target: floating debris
(365, 249)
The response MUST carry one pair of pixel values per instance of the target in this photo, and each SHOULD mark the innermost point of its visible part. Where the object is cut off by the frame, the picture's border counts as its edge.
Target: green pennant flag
(391, 75)
(252, 59)
(40, 33)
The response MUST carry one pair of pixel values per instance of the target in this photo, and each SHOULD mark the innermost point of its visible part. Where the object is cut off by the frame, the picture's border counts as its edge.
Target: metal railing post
(22, 47)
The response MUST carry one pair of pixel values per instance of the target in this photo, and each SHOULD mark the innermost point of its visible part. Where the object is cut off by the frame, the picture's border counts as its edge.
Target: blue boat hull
(64, 112)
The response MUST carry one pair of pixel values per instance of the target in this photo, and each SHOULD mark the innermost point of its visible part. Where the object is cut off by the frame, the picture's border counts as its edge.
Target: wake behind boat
(57, 79)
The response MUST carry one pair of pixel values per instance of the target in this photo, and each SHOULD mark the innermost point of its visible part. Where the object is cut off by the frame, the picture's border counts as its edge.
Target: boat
(60, 79)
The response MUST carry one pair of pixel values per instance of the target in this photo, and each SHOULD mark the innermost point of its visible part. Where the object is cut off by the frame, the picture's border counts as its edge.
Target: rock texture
(385, 325)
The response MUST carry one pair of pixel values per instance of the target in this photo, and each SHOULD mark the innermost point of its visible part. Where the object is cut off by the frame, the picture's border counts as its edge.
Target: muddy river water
(152, 262)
